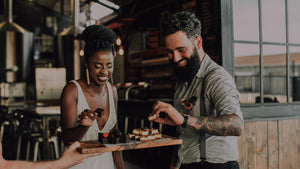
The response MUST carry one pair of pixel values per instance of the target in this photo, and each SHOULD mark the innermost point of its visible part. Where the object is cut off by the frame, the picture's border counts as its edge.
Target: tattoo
(191, 121)
(226, 125)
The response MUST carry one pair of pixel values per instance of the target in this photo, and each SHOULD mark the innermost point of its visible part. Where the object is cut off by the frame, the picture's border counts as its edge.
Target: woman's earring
(87, 75)
(111, 80)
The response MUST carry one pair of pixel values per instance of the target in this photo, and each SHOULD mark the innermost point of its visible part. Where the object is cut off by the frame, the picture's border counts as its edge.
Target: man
(69, 158)
(206, 102)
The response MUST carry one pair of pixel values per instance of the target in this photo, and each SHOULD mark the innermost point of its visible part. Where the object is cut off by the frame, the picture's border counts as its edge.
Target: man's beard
(187, 72)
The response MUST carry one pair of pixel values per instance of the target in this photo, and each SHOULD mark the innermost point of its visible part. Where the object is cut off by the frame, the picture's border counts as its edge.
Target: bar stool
(61, 142)
(37, 141)
(2, 127)
(3, 120)
(35, 138)
(29, 125)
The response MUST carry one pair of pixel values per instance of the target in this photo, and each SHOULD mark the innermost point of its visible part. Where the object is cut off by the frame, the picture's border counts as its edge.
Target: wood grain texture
(292, 144)
(242, 151)
(85, 148)
(273, 151)
(251, 143)
(273, 144)
(283, 144)
(298, 141)
(261, 145)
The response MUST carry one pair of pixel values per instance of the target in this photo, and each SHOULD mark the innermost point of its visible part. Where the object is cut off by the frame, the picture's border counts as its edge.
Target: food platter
(94, 147)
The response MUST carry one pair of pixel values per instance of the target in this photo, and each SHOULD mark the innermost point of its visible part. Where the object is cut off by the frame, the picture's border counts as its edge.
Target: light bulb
(81, 52)
(118, 41)
(121, 51)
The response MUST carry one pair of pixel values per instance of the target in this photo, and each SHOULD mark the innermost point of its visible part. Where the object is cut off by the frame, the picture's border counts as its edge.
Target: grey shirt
(220, 97)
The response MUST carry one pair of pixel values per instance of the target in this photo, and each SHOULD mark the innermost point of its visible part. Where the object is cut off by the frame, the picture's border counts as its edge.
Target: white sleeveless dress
(105, 160)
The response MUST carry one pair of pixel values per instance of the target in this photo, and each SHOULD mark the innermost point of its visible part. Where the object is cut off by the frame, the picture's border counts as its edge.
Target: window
(102, 8)
(266, 42)
(97, 10)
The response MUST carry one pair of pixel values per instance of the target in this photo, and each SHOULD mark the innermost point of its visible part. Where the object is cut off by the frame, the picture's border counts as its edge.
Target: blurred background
(256, 41)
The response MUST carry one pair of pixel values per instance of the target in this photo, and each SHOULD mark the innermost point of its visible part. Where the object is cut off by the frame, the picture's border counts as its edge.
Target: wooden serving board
(94, 147)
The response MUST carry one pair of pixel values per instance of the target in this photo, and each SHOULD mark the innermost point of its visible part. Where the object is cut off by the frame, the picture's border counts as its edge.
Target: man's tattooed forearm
(225, 125)
(191, 121)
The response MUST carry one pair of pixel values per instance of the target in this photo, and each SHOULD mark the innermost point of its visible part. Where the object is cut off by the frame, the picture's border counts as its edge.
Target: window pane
(294, 21)
(247, 71)
(245, 20)
(273, 20)
(274, 64)
(295, 73)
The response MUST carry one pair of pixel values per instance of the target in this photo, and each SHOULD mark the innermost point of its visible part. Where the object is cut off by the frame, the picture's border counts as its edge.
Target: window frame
(257, 111)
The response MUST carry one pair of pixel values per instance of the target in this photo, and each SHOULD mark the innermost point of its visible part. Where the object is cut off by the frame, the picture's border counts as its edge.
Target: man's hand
(87, 117)
(173, 117)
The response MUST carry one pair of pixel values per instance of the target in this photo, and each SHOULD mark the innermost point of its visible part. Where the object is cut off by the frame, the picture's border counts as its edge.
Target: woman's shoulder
(72, 85)
(70, 91)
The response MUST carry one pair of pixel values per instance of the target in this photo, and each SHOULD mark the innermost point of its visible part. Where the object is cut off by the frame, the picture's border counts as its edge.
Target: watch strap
(185, 119)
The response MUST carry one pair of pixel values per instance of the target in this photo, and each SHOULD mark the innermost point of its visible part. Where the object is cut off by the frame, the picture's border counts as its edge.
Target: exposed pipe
(75, 13)
(8, 24)
(74, 29)
(16, 50)
(8, 10)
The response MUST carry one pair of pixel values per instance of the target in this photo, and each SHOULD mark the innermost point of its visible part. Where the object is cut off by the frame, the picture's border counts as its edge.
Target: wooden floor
(270, 145)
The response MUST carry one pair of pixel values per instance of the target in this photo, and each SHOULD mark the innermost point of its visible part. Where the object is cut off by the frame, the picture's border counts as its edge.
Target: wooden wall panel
(292, 144)
(287, 146)
(283, 143)
(243, 151)
(273, 161)
(270, 145)
(298, 141)
(250, 131)
(261, 145)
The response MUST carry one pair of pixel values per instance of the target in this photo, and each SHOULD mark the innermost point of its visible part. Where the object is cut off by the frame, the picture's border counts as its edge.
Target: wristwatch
(185, 119)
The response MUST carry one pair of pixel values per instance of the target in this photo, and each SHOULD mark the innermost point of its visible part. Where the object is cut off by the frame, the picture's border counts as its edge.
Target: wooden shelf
(153, 68)
(158, 75)
(155, 62)
(161, 86)
(151, 53)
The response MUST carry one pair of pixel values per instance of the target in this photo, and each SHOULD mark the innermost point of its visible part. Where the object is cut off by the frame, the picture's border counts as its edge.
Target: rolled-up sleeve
(221, 90)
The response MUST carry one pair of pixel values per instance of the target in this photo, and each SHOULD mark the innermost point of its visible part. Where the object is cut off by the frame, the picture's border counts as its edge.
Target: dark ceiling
(36, 13)
(133, 15)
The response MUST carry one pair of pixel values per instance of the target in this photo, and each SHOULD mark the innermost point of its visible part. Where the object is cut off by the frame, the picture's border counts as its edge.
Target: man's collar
(202, 68)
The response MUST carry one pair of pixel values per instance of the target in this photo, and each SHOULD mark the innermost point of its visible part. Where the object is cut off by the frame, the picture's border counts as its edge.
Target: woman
(88, 94)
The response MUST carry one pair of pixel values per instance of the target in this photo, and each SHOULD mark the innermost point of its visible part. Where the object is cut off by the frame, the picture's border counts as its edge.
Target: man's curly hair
(181, 21)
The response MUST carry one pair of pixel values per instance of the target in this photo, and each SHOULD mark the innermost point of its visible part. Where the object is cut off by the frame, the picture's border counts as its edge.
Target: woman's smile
(102, 78)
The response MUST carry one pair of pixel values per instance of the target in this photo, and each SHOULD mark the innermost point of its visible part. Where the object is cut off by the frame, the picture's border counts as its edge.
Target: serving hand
(172, 116)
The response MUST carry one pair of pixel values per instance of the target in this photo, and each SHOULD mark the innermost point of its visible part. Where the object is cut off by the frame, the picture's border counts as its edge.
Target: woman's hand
(87, 117)
(172, 117)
